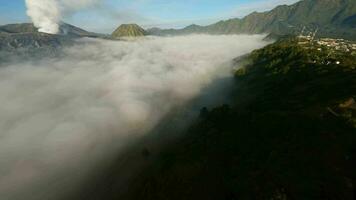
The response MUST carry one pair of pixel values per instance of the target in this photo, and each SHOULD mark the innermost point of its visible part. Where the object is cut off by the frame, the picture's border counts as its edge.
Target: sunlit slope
(128, 30)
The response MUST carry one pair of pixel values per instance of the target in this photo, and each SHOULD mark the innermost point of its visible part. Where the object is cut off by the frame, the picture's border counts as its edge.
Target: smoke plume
(61, 118)
(48, 14)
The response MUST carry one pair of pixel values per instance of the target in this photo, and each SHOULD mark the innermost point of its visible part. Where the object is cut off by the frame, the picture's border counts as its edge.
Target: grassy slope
(278, 141)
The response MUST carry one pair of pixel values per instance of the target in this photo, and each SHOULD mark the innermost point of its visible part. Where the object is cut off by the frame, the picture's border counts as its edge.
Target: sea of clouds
(61, 117)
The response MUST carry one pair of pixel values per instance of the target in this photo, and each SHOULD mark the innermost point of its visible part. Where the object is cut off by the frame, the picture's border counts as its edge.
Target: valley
(289, 134)
(258, 107)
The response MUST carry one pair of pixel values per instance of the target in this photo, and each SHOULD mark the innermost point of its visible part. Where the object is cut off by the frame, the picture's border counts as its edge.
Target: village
(310, 40)
(337, 44)
(334, 49)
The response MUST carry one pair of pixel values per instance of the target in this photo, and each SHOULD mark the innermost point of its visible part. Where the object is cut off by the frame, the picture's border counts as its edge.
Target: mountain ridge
(65, 29)
(23, 41)
(333, 18)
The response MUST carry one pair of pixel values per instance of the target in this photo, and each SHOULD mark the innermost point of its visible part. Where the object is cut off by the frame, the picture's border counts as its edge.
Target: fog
(60, 118)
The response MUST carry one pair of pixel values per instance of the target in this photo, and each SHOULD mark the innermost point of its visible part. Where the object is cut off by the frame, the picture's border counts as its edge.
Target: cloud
(62, 118)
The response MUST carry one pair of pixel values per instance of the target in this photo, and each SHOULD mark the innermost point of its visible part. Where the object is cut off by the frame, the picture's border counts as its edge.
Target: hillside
(128, 30)
(290, 134)
(334, 18)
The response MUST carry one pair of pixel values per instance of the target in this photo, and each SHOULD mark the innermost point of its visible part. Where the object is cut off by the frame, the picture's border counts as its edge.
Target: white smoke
(48, 14)
(61, 117)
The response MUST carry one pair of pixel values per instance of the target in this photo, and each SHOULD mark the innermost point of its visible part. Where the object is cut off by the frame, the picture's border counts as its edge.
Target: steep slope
(289, 135)
(334, 18)
(128, 30)
(71, 30)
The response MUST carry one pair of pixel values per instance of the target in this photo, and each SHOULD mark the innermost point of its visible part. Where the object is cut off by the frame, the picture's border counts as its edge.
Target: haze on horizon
(104, 15)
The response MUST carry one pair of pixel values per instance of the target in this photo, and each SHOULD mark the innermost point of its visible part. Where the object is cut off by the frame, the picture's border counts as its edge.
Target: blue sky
(148, 13)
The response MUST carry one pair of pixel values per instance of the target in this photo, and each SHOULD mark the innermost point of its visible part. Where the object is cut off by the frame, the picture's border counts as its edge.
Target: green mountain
(128, 30)
(289, 134)
(333, 18)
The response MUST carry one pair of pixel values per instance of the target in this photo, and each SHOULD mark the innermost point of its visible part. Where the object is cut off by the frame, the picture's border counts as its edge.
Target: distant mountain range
(333, 18)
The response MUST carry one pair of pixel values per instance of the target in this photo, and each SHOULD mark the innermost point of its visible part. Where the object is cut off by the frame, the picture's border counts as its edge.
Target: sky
(147, 13)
